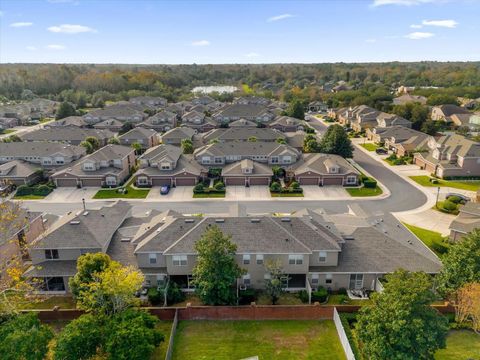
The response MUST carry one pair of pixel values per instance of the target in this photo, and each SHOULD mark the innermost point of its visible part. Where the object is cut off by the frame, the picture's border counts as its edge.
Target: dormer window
(165, 166)
(333, 170)
(89, 166)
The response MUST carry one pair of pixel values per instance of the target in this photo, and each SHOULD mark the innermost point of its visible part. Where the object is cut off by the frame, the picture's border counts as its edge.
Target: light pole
(438, 194)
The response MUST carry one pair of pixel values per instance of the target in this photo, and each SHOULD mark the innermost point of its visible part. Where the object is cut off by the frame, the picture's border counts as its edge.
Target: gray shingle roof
(138, 133)
(246, 148)
(179, 133)
(66, 133)
(318, 163)
(236, 168)
(17, 169)
(16, 149)
(242, 134)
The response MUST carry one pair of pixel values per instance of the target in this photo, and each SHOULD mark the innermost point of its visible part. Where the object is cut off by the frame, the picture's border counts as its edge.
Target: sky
(241, 31)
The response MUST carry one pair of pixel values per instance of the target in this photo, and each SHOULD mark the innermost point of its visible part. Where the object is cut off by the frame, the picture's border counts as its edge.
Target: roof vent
(255, 221)
(219, 221)
(85, 213)
(285, 219)
(348, 237)
(125, 240)
(74, 222)
(189, 221)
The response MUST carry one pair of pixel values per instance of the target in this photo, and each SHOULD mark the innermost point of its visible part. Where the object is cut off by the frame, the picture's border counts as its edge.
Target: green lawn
(113, 194)
(286, 194)
(462, 185)
(209, 195)
(165, 327)
(285, 299)
(280, 340)
(7, 131)
(432, 239)
(461, 345)
(335, 300)
(39, 303)
(28, 197)
(363, 191)
(370, 146)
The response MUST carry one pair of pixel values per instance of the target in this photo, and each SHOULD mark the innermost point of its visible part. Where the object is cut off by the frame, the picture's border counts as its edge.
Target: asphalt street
(404, 196)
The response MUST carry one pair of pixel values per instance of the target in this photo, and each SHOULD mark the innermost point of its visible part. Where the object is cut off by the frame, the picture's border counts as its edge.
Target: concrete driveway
(69, 194)
(179, 193)
(242, 193)
(331, 192)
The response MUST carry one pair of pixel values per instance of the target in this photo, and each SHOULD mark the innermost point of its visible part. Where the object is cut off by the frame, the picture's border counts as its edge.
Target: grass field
(363, 191)
(369, 146)
(280, 340)
(428, 237)
(64, 302)
(462, 185)
(461, 345)
(28, 197)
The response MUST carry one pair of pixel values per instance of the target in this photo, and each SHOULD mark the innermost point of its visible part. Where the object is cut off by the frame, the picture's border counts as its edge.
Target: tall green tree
(137, 147)
(216, 270)
(461, 264)
(400, 323)
(94, 142)
(310, 144)
(187, 146)
(24, 337)
(64, 110)
(296, 110)
(336, 141)
(88, 266)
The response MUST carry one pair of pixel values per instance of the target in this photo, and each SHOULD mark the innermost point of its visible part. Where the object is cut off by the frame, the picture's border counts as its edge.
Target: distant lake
(211, 89)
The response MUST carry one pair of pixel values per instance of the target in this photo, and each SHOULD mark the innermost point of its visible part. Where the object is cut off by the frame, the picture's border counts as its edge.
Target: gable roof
(242, 134)
(138, 133)
(40, 148)
(17, 169)
(66, 133)
(318, 163)
(237, 168)
(179, 133)
(246, 148)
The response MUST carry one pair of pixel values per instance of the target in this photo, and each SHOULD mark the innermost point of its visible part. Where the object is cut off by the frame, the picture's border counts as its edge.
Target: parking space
(179, 193)
(313, 192)
(71, 194)
(242, 193)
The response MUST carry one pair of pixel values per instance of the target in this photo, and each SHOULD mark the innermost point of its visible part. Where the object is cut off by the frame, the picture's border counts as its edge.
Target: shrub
(42, 190)
(219, 186)
(247, 296)
(275, 187)
(392, 157)
(455, 199)
(303, 296)
(343, 299)
(440, 248)
(295, 185)
(174, 293)
(399, 162)
(342, 291)
(320, 295)
(199, 188)
(24, 190)
(155, 297)
(370, 183)
(449, 206)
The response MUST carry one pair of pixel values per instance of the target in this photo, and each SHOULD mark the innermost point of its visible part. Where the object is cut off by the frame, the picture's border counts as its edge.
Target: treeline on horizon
(109, 82)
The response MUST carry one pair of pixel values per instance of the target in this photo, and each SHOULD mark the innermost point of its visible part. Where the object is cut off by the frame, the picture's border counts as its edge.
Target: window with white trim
(205, 159)
(259, 259)
(322, 256)
(152, 258)
(351, 179)
(142, 180)
(246, 259)
(179, 260)
(328, 278)
(314, 279)
(274, 160)
(295, 259)
(246, 279)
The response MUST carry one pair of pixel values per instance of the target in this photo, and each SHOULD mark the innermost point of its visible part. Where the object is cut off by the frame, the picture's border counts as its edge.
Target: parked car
(381, 151)
(6, 189)
(164, 190)
(461, 196)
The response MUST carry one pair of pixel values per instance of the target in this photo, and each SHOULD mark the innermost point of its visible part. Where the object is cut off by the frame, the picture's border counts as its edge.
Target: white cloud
(416, 26)
(419, 35)
(252, 55)
(279, 17)
(21, 24)
(400, 2)
(371, 41)
(201, 43)
(441, 23)
(71, 29)
(55, 47)
(31, 48)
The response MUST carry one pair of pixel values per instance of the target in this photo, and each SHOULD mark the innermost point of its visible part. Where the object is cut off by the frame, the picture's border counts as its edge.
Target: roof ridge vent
(285, 219)
(74, 222)
(219, 221)
(255, 221)
(189, 221)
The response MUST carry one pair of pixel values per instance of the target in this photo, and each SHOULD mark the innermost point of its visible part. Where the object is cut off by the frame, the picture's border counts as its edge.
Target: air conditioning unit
(243, 287)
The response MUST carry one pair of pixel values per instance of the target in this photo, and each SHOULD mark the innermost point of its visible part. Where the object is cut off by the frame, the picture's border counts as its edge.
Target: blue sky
(186, 32)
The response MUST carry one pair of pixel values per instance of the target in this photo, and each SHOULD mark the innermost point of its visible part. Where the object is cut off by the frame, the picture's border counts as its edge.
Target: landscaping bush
(303, 296)
(370, 183)
(42, 190)
(219, 186)
(343, 299)
(342, 291)
(295, 185)
(455, 199)
(246, 297)
(320, 295)
(214, 172)
(155, 297)
(174, 293)
(400, 161)
(24, 190)
(199, 188)
(449, 206)
(392, 157)
(438, 247)
(275, 187)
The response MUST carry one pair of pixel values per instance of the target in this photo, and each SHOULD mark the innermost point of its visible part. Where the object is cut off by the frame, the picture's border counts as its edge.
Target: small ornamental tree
(24, 337)
(400, 323)
(274, 285)
(336, 141)
(114, 141)
(88, 146)
(216, 270)
(461, 264)
(94, 142)
(88, 266)
(64, 110)
(467, 305)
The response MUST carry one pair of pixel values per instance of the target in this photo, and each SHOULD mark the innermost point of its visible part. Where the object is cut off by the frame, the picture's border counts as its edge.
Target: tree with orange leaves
(467, 305)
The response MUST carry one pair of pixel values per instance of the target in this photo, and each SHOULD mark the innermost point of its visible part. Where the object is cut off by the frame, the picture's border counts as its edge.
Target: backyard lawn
(165, 327)
(461, 345)
(344, 300)
(225, 340)
(369, 146)
(432, 239)
(363, 191)
(462, 185)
